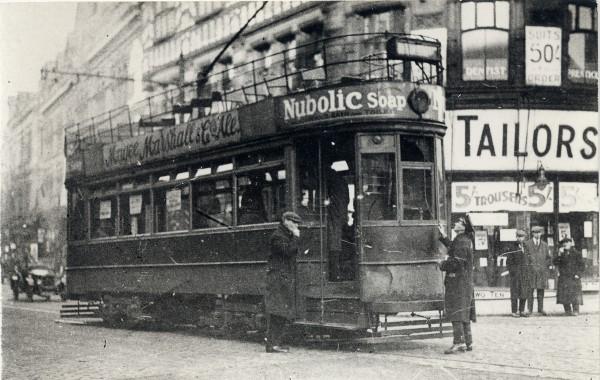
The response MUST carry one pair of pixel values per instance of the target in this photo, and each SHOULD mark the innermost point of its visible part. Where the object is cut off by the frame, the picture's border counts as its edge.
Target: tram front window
(417, 194)
(378, 186)
(416, 154)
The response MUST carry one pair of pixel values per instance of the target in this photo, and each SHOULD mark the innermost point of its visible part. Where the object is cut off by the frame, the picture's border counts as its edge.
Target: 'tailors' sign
(517, 139)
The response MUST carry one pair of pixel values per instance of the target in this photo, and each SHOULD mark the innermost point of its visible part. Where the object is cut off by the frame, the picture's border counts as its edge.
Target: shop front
(514, 169)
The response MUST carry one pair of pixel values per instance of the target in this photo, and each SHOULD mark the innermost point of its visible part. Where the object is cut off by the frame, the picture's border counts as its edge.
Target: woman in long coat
(570, 266)
(459, 298)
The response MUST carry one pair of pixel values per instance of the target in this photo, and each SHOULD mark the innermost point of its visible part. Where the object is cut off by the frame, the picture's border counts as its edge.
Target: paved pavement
(35, 347)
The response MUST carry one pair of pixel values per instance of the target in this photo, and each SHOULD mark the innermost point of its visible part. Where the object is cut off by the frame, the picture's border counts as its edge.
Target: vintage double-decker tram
(170, 215)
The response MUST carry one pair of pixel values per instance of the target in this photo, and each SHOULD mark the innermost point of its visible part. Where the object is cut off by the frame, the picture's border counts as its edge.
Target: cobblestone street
(35, 346)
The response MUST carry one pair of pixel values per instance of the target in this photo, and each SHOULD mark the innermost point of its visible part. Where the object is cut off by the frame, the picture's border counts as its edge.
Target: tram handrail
(334, 60)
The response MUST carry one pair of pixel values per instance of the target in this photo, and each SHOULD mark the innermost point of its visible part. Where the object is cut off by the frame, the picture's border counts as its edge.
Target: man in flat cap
(519, 284)
(539, 260)
(280, 293)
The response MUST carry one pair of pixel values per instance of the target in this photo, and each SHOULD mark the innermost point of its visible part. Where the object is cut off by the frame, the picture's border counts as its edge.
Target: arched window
(484, 40)
(583, 44)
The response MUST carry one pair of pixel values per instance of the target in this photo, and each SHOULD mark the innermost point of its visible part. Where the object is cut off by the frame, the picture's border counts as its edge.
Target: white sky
(30, 35)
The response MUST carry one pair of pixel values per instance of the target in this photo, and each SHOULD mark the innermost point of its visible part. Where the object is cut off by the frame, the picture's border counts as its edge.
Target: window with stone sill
(484, 40)
(583, 45)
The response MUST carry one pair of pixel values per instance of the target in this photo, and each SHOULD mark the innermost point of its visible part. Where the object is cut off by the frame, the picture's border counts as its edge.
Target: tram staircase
(83, 311)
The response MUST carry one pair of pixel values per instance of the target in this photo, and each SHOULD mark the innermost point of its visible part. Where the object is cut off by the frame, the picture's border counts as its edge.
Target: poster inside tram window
(105, 210)
(173, 200)
(135, 204)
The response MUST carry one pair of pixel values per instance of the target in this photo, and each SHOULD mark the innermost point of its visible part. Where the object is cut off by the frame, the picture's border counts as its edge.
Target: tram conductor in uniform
(280, 292)
(459, 300)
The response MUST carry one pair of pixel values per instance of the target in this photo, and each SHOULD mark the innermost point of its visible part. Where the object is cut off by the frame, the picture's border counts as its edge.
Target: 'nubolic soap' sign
(384, 98)
(172, 141)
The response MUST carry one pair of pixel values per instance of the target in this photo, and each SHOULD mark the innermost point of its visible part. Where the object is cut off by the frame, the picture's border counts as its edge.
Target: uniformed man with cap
(539, 260)
(519, 284)
(281, 271)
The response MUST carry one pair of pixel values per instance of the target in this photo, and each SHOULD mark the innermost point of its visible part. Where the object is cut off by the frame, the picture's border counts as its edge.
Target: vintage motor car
(39, 280)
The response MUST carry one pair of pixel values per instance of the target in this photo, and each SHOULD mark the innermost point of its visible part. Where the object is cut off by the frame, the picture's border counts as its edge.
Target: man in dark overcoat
(570, 268)
(458, 298)
(280, 294)
(539, 260)
(519, 280)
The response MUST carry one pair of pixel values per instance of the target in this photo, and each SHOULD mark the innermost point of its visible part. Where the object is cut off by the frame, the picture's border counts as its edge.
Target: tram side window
(104, 212)
(171, 207)
(261, 196)
(378, 172)
(77, 218)
(135, 214)
(213, 202)
(417, 178)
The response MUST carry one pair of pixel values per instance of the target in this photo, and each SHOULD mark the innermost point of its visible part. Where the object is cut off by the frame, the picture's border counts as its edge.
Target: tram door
(325, 201)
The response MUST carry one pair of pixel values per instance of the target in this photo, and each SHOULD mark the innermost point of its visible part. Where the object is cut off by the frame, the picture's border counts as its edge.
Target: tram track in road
(463, 364)
(56, 313)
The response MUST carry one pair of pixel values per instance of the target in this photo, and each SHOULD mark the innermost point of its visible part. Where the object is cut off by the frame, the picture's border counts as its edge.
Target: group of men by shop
(528, 265)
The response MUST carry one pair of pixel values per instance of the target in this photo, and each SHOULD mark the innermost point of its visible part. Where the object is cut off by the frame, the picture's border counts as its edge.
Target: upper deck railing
(351, 58)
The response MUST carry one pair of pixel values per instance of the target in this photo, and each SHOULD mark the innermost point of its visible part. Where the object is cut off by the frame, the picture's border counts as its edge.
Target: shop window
(77, 216)
(383, 21)
(104, 215)
(135, 214)
(261, 196)
(213, 202)
(583, 45)
(416, 154)
(484, 39)
(171, 207)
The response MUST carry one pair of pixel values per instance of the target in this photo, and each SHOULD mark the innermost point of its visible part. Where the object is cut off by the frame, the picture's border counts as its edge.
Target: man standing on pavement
(458, 298)
(280, 293)
(519, 284)
(539, 259)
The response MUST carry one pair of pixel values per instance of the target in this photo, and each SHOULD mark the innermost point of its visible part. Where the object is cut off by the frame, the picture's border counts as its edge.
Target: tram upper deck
(340, 79)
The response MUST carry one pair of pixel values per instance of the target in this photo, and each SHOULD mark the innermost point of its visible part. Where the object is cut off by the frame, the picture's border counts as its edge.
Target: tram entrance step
(80, 309)
(339, 326)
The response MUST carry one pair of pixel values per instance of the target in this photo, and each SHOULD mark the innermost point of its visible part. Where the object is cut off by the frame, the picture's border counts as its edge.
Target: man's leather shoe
(469, 347)
(277, 349)
(542, 312)
(516, 315)
(575, 313)
(524, 315)
(456, 348)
